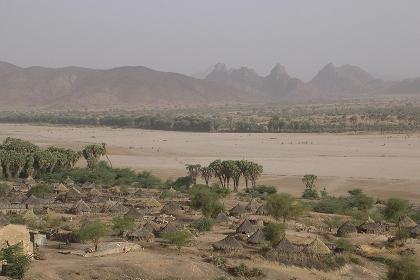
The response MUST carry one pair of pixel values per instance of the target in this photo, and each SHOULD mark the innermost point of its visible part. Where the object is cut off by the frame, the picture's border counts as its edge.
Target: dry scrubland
(382, 165)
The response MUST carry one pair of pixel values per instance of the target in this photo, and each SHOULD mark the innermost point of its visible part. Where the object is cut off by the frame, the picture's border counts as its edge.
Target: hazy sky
(188, 36)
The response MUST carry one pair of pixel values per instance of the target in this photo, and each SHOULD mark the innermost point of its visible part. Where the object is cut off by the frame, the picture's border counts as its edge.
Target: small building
(237, 211)
(14, 234)
(228, 244)
(347, 229)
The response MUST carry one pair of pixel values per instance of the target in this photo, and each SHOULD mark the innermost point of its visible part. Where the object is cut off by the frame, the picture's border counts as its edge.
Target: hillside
(75, 87)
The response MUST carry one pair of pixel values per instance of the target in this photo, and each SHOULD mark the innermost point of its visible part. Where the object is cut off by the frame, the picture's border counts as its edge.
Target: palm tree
(193, 171)
(206, 173)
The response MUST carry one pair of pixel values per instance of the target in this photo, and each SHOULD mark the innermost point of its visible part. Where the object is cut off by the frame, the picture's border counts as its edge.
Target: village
(244, 239)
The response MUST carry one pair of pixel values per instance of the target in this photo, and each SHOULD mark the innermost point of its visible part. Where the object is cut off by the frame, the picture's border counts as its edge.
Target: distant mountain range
(137, 87)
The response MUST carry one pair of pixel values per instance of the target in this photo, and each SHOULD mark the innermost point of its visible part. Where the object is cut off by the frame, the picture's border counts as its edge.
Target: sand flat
(382, 164)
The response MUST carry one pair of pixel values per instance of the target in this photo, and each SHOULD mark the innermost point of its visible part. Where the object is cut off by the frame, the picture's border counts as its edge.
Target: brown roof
(346, 229)
(257, 238)
(407, 222)
(229, 243)
(141, 234)
(237, 210)
(246, 227)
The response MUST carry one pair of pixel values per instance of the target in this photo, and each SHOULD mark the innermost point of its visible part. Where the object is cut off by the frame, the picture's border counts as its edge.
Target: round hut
(415, 232)
(80, 208)
(141, 234)
(246, 227)
(222, 218)
(347, 229)
(171, 208)
(252, 206)
(228, 244)
(407, 223)
(237, 211)
(257, 238)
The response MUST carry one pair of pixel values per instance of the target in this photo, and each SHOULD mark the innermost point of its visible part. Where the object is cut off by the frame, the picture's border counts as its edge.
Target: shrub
(274, 232)
(179, 238)
(204, 224)
(204, 198)
(17, 261)
(284, 206)
(310, 194)
(402, 235)
(122, 224)
(345, 244)
(243, 271)
(396, 209)
(218, 261)
(405, 268)
(183, 183)
(40, 191)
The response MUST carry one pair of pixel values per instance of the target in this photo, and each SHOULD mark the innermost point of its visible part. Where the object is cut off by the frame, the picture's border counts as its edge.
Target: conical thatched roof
(29, 215)
(80, 207)
(229, 243)
(257, 238)
(262, 210)
(141, 234)
(134, 213)
(370, 220)
(346, 229)
(170, 227)
(317, 247)
(287, 247)
(222, 218)
(171, 208)
(94, 192)
(237, 211)
(150, 203)
(139, 192)
(73, 193)
(118, 208)
(152, 227)
(373, 228)
(106, 207)
(61, 188)
(115, 189)
(17, 198)
(246, 227)
(407, 222)
(415, 232)
(252, 206)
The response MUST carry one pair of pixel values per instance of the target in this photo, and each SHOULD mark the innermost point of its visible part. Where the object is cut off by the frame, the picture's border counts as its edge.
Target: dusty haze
(189, 36)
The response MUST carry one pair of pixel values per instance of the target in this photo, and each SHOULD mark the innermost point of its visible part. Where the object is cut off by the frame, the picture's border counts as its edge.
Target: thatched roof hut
(152, 227)
(168, 228)
(80, 208)
(150, 203)
(94, 192)
(237, 211)
(106, 207)
(118, 208)
(257, 238)
(61, 188)
(407, 222)
(346, 229)
(73, 194)
(171, 208)
(246, 227)
(115, 190)
(134, 213)
(141, 234)
(222, 218)
(372, 228)
(262, 210)
(252, 206)
(287, 247)
(317, 247)
(69, 181)
(415, 232)
(228, 244)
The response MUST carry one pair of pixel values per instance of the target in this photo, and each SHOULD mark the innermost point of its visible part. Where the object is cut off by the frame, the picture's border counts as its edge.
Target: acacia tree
(193, 171)
(93, 232)
(206, 173)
